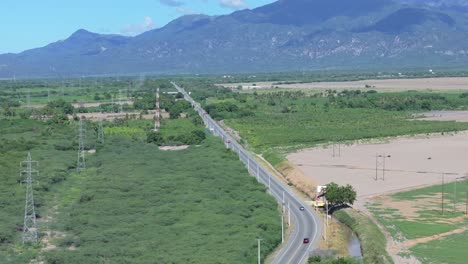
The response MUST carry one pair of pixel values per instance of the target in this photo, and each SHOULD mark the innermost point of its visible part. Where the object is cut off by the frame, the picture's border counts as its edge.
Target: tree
(340, 195)
(154, 137)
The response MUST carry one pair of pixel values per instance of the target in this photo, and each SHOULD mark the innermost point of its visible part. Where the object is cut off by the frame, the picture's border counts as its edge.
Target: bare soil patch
(174, 147)
(423, 84)
(410, 162)
(458, 116)
(414, 242)
(96, 116)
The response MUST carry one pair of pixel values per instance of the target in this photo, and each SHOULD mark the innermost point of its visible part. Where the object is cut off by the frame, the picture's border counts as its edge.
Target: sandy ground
(174, 147)
(112, 116)
(77, 105)
(459, 116)
(424, 84)
(409, 163)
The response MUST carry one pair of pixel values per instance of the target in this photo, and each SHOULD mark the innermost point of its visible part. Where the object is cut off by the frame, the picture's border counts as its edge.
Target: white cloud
(135, 29)
(186, 11)
(171, 2)
(233, 4)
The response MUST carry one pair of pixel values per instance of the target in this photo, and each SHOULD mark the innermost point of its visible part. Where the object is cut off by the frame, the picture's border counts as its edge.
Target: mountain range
(282, 36)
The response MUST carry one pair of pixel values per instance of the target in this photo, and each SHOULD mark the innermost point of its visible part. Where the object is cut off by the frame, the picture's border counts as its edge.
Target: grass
(451, 249)
(134, 203)
(175, 205)
(373, 241)
(428, 221)
(281, 124)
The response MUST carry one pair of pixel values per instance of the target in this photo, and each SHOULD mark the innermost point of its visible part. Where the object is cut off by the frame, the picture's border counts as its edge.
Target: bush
(154, 137)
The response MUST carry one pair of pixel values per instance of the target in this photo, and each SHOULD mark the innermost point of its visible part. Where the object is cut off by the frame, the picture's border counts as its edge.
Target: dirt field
(77, 105)
(112, 116)
(409, 163)
(459, 116)
(425, 84)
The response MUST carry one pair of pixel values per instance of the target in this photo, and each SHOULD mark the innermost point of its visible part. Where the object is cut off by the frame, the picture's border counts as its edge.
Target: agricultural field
(447, 84)
(430, 223)
(275, 124)
(135, 201)
(410, 162)
(347, 129)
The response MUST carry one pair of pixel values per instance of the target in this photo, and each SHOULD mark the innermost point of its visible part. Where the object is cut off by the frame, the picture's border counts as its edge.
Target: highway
(305, 224)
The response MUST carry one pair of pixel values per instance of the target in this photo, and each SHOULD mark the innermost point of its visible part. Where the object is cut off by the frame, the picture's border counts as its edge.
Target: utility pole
(380, 165)
(29, 226)
(120, 102)
(157, 114)
(326, 203)
(442, 197)
(282, 228)
(28, 99)
(282, 204)
(81, 165)
(100, 135)
(455, 196)
(466, 195)
(325, 229)
(259, 256)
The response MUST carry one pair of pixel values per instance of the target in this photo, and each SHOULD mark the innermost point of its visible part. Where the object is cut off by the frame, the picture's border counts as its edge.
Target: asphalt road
(305, 224)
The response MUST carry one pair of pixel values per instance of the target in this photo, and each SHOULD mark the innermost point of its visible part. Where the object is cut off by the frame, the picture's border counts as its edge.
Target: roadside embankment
(373, 242)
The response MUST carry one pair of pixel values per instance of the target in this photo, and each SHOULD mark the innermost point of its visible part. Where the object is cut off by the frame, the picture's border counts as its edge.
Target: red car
(306, 241)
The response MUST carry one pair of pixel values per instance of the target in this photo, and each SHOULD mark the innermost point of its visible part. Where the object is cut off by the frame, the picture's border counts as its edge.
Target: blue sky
(27, 24)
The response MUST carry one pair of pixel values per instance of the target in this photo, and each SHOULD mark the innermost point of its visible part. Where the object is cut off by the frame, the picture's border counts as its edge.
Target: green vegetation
(274, 122)
(54, 147)
(340, 195)
(373, 241)
(429, 219)
(174, 205)
(134, 203)
(291, 120)
(451, 249)
(318, 259)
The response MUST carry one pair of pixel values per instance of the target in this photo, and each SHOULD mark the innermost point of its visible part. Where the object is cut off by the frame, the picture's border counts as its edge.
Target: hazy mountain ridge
(285, 35)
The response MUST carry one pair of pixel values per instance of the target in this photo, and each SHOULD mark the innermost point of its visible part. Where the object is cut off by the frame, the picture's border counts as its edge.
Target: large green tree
(337, 195)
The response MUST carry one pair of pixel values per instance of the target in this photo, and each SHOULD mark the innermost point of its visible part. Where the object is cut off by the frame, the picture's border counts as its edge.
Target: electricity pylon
(81, 165)
(120, 102)
(157, 116)
(100, 135)
(29, 226)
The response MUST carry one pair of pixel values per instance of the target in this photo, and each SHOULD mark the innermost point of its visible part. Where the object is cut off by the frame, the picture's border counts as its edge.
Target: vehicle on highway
(302, 208)
(306, 240)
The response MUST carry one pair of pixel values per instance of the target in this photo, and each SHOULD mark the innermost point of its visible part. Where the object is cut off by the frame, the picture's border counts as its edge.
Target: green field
(134, 203)
(425, 219)
(276, 123)
(451, 249)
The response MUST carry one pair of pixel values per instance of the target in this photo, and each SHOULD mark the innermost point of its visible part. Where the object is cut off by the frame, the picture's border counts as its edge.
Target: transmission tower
(28, 99)
(100, 136)
(81, 165)
(29, 227)
(120, 102)
(157, 116)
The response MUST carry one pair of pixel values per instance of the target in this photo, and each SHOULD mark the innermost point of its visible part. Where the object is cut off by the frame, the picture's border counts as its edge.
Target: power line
(81, 164)
(259, 255)
(100, 135)
(120, 102)
(29, 226)
(157, 114)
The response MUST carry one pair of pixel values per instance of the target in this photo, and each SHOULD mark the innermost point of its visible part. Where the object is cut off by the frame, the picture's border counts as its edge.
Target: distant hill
(284, 35)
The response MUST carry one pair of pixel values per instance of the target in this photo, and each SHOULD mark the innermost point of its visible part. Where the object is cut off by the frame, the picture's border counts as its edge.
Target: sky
(27, 24)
